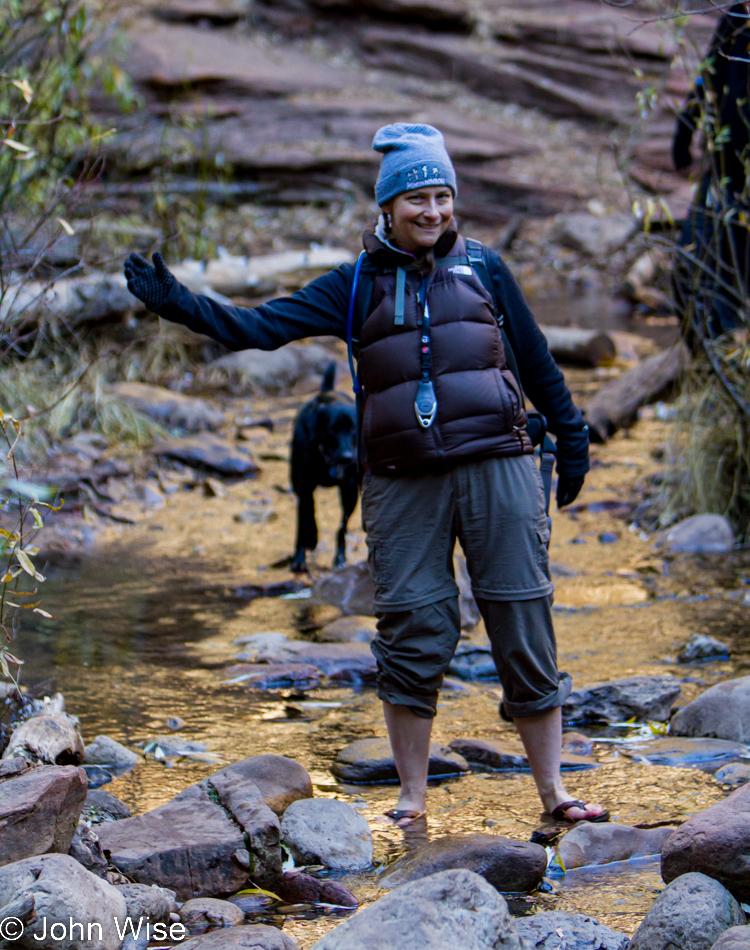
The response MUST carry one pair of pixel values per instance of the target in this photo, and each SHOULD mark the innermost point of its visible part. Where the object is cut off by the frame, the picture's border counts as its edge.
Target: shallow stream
(146, 623)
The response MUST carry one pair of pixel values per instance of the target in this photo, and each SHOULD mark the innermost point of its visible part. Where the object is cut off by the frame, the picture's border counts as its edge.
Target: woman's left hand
(568, 489)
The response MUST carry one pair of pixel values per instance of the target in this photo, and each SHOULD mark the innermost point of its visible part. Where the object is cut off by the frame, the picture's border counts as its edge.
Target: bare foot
(578, 811)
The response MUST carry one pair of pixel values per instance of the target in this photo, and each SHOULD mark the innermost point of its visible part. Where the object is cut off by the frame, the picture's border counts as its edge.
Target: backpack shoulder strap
(477, 255)
(359, 307)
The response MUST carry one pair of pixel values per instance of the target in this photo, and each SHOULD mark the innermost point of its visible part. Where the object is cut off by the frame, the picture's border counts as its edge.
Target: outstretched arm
(319, 309)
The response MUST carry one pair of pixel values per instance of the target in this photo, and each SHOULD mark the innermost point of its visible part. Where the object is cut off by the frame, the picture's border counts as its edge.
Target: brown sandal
(559, 813)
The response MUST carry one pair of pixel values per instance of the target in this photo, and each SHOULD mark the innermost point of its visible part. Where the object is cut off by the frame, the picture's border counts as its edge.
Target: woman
(445, 454)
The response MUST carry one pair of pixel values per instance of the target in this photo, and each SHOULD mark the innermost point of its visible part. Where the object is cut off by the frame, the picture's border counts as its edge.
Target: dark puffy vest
(480, 408)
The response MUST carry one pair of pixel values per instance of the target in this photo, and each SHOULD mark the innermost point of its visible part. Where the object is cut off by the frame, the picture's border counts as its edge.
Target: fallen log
(577, 347)
(617, 403)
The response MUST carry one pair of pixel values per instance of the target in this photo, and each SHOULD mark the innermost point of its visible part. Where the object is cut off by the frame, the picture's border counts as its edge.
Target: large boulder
(722, 711)
(507, 864)
(370, 761)
(571, 931)
(700, 534)
(691, 913)
(447, 910)
(197, 843)
(633, 697)
(39, 811)
(327, 831)
(252, 937)
(65, 895)
(588, 844)
(716, 842)
(171, 409)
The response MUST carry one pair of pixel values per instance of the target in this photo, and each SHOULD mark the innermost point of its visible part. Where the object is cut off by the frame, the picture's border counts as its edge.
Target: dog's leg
(348, 491)
(307, 531)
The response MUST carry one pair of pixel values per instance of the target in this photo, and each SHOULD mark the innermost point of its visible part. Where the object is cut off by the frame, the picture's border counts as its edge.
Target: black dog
(324, 452)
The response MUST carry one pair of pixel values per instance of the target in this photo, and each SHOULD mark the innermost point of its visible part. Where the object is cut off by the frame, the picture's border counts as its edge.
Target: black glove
(149, 283)
(568, 489)
(681, 157)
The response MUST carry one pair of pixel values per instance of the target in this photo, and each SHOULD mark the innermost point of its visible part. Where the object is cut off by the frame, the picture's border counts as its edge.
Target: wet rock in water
(722, 711)
(451, 909)
(702, 647)
(589, 844)
(296, 887)
(349, 630)
(97, 775)
(101, 806)
(736, 938)
(506, 864)
(193, 846)
(639, 697)
(187, 845)
(274, 675)
(171, 409)
(735, 774)
(346, 662)
(706, 754)
(39, 811)
(699, 534)
(207, 913)
(370, 761)
(329, 832)
(691, 913)
(716, 842)
(473, 661)
(208, 452)
(87, 850)
(62, 892)
(271, 372)
(276, 589)
(349, 588)
(154, 903)
(108, 752)
(572, 931)
(250, 937)
(593, 235)
(577, 744)
(505, 755)
(279, 779)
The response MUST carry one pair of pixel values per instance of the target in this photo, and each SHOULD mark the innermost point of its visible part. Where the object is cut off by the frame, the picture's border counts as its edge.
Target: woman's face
(419, 217)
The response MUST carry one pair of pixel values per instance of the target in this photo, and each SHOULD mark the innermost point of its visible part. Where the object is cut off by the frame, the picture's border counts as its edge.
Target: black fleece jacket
(320, 309)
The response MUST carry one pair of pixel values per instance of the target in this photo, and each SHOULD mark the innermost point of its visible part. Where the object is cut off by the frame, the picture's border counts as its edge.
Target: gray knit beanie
(414, 156)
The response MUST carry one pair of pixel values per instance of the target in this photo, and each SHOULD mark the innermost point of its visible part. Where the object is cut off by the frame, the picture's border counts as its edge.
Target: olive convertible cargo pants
(495, 508)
